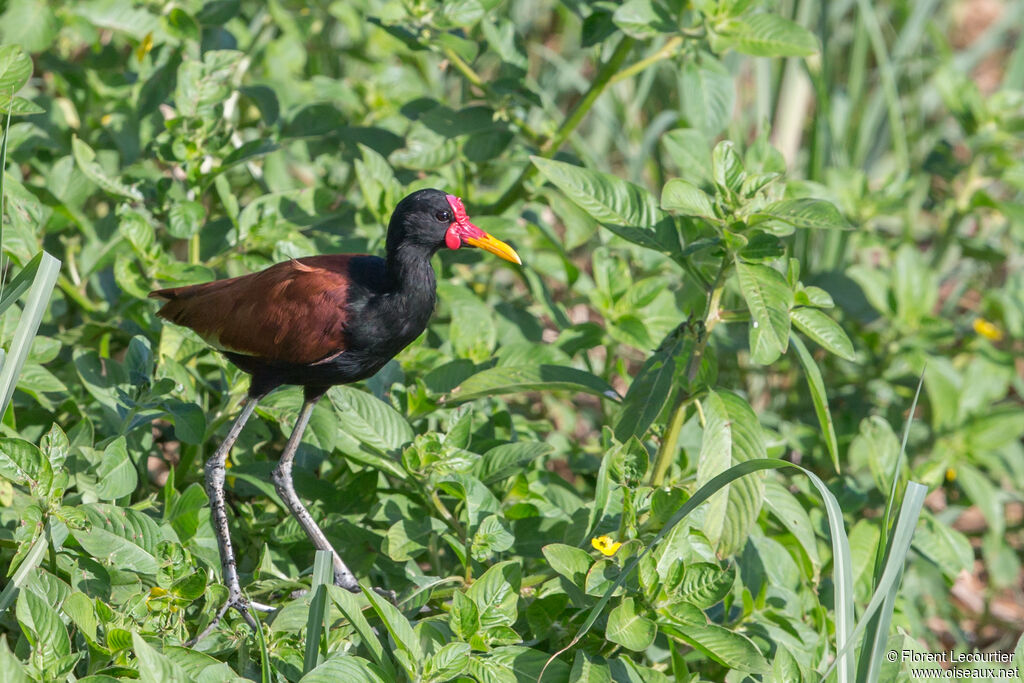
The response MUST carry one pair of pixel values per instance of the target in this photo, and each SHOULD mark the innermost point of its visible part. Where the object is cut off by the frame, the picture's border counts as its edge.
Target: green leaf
(587, 669)
(704, 584)
(448, 662)
(690, 151)
(727, 168)
(643, 18)
(768, 297)
(507, 459)
(492, 536)
(120, 537)
(630, 629)
(650, 389)
(819, 398)
(409, 653)
(15, 70)
(728, 648)
(185, 218)
(513, 379)
(732, 435)
(116, 473)
(628, 210)
(708, 95)
(569, 561)
(346, 668)
(154, 667)
(42, 626)
(369, 420)
(349, 605)
(19, 106)
(769, 35)
(86, 159)
(11, 668)
(686, 198)
(876, 444)
(628, 463)
(787, 509)
(816, 214)
(23, 463)
(496, 594)
(82, 611)
(824, 330)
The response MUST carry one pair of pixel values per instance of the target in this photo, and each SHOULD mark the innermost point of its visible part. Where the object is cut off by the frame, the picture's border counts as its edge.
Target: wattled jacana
(316, 322)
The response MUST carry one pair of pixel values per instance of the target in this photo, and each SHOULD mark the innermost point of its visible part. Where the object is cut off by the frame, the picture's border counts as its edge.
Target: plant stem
(669, 49)
(551, 147)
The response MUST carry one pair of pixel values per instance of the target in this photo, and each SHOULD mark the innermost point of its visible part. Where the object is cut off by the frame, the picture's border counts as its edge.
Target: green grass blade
(323, 575)
(902, 534)
(21, 282)
(32, 315)
(265, 669)
(32, 560)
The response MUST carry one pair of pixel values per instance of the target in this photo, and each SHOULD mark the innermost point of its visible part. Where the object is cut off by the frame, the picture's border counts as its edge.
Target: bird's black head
(427, 220)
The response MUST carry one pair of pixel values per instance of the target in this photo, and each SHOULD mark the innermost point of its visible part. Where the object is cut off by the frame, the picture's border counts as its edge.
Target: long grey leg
(283, 483)
(214, 472)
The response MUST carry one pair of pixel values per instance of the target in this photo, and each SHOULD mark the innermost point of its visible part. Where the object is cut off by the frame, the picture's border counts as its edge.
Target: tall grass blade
(32, 315)
(323, 575)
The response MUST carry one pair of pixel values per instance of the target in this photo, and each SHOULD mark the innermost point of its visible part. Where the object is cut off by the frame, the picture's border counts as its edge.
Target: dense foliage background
(748, 229)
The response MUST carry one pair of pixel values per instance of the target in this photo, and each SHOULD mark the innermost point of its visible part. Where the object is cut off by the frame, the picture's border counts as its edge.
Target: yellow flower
(950, 474)
(144, 47)
(606, 545)
(987, 330)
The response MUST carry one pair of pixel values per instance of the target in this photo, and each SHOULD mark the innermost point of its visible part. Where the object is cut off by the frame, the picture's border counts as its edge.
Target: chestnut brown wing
(293, 311)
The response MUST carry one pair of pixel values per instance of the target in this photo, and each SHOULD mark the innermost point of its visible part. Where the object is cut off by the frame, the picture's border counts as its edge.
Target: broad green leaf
(120, 537)
(652, 385)
(496, 594)
(824, 330)
(946, 547)
(154, 667)
(708, 94)
(19, 106)
(768, 297)
(914, 285)
(448, 662)
(117, 474)
(787, 509)
(15, 70)
(819, 398)
(82, 611)
(628, 210)
(367, 419)
(569, 561)
(877, 446)
(686, 198)
(509, 380)
(406, 642)
(42, 626)
(803, 213)
(11, 668)
(769, 35)
(728, 648)
(705, 584)
(507, 459)
(23, 463)
(690, 151)
(587, 669)
(86, 159)
(627, 627)
(185, 218)
(643, 18)
(492, 536)
(350, 606)
(732, 435)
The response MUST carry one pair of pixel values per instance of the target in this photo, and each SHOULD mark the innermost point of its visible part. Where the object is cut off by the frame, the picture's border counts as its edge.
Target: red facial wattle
(461, 230)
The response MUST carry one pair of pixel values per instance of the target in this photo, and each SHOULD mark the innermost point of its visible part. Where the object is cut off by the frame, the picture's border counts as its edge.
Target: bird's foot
(236, 600)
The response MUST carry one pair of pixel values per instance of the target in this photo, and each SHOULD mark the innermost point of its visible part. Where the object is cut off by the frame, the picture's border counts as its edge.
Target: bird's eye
(445, 216)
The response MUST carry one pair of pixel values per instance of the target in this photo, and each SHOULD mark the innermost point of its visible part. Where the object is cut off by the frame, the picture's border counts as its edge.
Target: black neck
(412, 277)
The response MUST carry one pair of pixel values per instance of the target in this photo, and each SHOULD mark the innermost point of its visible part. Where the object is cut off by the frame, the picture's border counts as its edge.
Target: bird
(316, 322)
